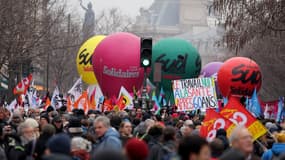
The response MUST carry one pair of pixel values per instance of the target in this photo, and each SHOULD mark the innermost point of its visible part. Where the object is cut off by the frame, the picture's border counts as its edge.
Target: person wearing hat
(57, 123)
(58, 148)
(44, 120)
(277, 148)
(74, 127)
(136, 149)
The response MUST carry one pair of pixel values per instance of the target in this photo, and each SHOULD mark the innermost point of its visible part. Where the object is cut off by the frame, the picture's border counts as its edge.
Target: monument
(89, 21)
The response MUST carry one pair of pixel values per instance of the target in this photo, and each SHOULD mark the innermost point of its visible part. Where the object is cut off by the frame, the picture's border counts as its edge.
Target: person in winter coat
(277, 148)
(57, 123)
(58, 148)
(2, 143)
(108, 138)
(136, 149)
(47, 132)
(125, 131)
(80, 148)
(167, 148)
(241, 140)
(16, 149)
(154, 136)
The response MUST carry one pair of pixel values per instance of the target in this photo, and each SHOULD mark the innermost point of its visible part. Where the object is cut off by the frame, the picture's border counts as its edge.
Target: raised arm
(82, 5)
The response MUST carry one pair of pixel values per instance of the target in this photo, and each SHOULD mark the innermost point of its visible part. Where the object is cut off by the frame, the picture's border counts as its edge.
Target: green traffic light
(146, 62)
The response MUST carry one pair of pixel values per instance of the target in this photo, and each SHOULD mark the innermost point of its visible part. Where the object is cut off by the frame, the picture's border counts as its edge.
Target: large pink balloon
(117, 63)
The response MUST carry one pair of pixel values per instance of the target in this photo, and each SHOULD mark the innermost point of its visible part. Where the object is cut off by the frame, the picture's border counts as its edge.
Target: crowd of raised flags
(90, 99)
(262, 109)
(93, 98)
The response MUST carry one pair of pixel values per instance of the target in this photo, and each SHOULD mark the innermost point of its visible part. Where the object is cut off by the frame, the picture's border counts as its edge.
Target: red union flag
(212, 122)
(236, 113)
(22, 86)
(269, 109)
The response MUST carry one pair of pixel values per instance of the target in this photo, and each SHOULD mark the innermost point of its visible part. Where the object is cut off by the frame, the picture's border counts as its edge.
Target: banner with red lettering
(269, 109)
(212, 122)
(238, 114)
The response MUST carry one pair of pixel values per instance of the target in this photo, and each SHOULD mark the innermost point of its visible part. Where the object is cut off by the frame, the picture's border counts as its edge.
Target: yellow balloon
(84, 59)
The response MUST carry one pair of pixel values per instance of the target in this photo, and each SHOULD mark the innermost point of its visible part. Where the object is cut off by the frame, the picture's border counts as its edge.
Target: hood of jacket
(111, 132)
(278, 148)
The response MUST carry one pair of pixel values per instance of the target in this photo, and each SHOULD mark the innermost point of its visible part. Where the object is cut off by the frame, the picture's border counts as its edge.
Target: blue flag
(225, 100)
(253, 105)
(156, 106)
(161, 98)
(280, 113)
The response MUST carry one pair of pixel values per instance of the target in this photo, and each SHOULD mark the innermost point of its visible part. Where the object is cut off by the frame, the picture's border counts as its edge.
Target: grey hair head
(234, 135)
(22, 126)
(104, 120)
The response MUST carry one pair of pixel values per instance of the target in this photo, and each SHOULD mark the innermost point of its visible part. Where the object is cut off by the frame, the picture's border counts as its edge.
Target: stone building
(193, 20)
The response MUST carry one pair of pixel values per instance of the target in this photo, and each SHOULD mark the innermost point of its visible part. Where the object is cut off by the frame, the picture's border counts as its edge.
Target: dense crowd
(136, 134)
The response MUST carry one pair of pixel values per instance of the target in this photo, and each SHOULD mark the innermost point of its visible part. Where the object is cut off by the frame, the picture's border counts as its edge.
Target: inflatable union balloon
(179, 59)
(211, 70)
(239, 76)
(84, 59)
(117, 63)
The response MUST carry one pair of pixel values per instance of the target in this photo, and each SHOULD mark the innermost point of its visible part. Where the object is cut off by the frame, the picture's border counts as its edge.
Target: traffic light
(146, 52)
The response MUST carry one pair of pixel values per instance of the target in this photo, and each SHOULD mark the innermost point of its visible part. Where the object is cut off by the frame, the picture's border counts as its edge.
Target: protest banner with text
(192, 94)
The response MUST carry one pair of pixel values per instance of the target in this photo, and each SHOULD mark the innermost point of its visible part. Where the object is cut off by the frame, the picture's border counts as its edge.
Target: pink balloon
(117, 63)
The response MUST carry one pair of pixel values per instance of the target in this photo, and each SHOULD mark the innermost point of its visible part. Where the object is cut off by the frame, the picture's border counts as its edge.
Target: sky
(128, 7)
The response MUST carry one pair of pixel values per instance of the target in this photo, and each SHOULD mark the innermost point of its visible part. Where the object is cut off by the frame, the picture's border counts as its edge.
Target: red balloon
(117, 63)
(239, 76)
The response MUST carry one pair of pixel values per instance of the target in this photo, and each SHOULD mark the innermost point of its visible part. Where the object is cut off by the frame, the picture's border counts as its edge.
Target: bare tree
(25, 33)
(256, 28)
(249, 20)
(112, 20)
(62, 63)
(62, 66)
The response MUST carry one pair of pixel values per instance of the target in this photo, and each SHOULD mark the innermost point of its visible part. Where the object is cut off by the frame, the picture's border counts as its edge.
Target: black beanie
(74, 125)
(49, 109)
(45, 116)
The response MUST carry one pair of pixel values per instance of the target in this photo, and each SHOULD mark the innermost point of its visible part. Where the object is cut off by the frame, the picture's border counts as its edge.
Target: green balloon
(179, 59)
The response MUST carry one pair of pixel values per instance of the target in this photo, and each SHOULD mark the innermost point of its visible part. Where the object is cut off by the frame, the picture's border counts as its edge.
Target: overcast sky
(128, 7)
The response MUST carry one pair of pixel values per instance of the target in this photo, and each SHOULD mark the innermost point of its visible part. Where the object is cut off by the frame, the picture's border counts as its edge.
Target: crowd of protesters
(136, 134)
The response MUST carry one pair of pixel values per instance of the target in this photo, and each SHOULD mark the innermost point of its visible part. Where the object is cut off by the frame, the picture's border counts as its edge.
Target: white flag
(91, 90)
(12, 105)
(127, 97)
(54, 98)
(76, 90)
(99, 98)
(32, 100)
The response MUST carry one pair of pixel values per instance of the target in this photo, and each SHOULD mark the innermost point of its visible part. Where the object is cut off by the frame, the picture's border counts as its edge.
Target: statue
(89, 21)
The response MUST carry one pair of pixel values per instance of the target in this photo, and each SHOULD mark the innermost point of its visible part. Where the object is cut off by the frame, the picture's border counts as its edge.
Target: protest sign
(192, 94)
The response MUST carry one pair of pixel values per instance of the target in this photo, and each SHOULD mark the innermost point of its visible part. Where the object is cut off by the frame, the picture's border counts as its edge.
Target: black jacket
(14, 148)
